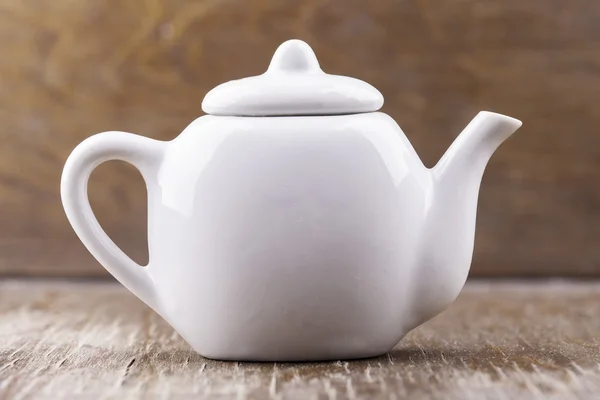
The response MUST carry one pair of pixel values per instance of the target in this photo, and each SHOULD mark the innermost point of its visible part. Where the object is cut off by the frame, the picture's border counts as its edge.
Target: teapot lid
(294, 84)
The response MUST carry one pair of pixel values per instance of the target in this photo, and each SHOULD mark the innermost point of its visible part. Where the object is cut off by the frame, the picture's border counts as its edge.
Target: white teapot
(294, 222)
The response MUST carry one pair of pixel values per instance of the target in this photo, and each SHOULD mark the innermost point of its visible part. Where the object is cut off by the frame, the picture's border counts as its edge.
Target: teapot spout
(449, 230)
(472, 149)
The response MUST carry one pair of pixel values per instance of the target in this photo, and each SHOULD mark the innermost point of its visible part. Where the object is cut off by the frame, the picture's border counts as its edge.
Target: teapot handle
(143, 153)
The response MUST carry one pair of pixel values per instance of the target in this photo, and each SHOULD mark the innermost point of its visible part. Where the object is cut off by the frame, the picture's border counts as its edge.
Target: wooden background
(70, 69)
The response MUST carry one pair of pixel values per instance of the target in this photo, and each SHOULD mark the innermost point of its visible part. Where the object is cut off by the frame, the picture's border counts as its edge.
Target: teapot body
(288, 238)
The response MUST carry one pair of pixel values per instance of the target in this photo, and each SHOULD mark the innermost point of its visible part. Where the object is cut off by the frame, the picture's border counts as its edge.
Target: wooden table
(509, 340)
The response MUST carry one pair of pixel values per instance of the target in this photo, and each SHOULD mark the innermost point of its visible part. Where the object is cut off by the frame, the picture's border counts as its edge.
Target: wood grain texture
(72, 69)
(498, 341)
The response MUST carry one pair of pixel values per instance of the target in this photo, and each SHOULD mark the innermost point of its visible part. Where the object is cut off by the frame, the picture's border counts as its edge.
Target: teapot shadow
(487, 358)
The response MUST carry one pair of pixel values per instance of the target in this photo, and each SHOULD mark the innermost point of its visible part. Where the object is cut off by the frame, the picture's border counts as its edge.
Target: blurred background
(72, 68)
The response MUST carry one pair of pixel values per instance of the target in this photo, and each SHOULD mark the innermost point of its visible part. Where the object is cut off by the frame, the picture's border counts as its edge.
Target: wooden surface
(498, 341)
(72, 69)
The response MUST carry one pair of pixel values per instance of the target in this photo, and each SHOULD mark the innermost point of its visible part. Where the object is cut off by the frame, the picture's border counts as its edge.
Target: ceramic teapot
(294, 221)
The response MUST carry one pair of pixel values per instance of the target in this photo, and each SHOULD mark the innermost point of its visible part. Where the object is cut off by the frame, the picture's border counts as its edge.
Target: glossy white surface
(294, 84)
(300, 238)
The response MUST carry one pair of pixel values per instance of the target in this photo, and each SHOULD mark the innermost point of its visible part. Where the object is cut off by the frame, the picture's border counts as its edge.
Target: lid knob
(294, 56)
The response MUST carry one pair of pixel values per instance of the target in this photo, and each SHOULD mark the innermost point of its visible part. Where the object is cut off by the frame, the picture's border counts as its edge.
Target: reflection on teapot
(294, 221)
